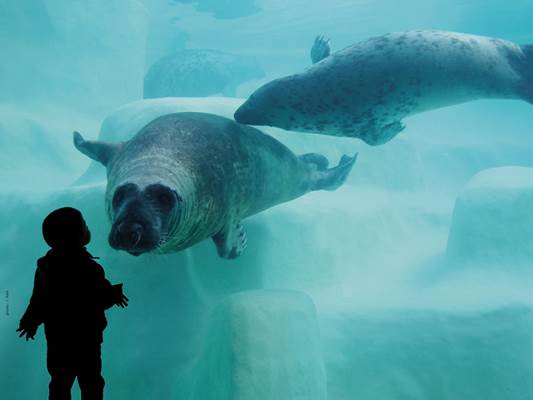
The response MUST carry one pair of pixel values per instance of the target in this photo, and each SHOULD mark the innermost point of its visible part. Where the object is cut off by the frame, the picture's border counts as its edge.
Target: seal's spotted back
(367, 89)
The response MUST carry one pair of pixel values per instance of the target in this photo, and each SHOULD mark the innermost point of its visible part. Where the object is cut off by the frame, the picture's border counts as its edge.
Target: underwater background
(412, 281)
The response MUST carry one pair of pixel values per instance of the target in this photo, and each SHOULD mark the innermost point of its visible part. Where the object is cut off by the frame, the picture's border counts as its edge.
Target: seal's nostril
(135, 234)
(126, 235)
(135, 237)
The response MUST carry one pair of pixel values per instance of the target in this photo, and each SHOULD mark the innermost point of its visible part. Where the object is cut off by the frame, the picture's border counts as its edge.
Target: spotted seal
(186, 177)
(198, 73)
(366, 89)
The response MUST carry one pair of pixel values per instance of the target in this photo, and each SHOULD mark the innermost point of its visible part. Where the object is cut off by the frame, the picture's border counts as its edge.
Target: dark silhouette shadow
(70, 294)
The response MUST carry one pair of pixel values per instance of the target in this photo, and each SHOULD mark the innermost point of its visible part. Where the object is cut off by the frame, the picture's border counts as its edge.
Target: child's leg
(90, 372)
(62, 374)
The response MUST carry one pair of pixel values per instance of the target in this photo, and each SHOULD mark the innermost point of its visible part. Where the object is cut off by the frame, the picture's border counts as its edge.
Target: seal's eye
(122, 192)
(163, 197)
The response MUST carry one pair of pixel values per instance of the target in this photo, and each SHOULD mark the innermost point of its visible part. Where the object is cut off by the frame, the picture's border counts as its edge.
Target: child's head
(65, 228)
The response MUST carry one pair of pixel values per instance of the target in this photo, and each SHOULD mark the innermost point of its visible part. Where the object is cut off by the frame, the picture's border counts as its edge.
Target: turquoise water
(411, 281)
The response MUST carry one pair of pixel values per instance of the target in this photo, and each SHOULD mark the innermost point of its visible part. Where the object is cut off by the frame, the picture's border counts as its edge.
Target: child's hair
(64, 227)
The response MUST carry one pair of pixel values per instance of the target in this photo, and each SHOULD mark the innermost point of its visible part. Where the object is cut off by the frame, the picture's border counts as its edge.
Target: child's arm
(33, 316)
(110, 295)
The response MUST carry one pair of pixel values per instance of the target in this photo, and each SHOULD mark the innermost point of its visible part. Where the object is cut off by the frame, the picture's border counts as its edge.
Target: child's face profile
(86, 237)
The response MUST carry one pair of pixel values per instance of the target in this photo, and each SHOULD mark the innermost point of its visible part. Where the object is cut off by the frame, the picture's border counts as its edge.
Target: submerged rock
(428, 354)
(493, 217)
(263, 345)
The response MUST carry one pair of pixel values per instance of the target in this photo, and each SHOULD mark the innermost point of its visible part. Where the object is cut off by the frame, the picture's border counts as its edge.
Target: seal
(366, 89)
(198, 73)
(186, 177)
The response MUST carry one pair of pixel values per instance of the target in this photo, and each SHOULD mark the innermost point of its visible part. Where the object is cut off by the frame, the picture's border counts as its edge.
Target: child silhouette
(70, 294)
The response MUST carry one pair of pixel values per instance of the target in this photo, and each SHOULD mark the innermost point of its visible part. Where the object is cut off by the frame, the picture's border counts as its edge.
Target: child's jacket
(70, 294)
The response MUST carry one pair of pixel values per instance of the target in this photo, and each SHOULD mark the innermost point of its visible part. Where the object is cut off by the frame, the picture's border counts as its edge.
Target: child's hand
(120, 299)
(29, 331)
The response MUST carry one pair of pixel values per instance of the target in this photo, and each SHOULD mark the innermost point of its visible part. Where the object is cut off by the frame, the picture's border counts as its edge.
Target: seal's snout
(129, 236)
(245, 114)
(132, 237)
(253, 111)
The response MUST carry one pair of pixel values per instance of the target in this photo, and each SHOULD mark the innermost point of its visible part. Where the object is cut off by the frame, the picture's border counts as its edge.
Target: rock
(415, 354)
(262, 345)
(493, 218)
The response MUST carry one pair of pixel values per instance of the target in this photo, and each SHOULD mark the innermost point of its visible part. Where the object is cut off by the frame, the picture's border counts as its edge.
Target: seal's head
(142, 217)
(272, 104)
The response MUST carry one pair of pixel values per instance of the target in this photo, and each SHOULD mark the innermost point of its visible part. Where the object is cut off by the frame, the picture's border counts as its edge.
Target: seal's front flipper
(383, 135)
(331, 179)
(99, 151)
(231, 241)
(320, 49)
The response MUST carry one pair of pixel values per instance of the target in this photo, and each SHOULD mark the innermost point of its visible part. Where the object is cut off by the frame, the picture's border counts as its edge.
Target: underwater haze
(411, 281)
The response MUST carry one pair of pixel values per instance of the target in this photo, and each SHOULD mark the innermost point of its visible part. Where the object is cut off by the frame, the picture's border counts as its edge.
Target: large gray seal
(186, 177)
(366, 89)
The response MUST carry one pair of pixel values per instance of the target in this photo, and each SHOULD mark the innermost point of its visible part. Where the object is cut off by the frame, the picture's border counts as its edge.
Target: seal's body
(189, 176)
(366, 89)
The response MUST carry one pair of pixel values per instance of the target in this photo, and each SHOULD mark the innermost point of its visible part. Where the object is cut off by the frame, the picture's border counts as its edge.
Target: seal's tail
(526, 70)
(323, 178)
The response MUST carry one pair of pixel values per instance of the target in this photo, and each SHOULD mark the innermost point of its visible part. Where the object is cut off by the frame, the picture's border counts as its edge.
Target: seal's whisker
(163, 239)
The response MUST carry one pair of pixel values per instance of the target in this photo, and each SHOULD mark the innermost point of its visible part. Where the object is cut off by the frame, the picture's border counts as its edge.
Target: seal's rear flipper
(525, 67)
(333, 178)
(314, 159)
(99, 151)
(231, 241)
